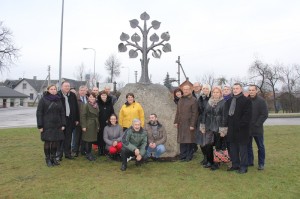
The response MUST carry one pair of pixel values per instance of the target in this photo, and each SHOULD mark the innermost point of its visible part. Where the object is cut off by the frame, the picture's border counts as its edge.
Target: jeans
(259, 139)
(158, 150)
(73, 142)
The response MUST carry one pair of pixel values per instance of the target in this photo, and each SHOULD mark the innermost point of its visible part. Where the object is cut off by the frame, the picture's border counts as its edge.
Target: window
(12, 102)
(31, 96)
(24, 85)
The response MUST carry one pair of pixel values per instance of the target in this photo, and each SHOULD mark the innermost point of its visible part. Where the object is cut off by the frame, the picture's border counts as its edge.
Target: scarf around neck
(233, 104)
(94, 105)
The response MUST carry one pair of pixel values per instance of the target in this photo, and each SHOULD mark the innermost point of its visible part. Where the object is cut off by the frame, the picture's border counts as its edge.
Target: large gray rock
(155, 98)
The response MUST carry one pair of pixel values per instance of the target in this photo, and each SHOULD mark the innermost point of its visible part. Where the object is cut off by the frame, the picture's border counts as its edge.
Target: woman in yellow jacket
(129, 111)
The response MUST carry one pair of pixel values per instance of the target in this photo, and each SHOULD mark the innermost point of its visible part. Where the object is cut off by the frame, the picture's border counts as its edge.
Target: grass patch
(284, 115)
(24, 174)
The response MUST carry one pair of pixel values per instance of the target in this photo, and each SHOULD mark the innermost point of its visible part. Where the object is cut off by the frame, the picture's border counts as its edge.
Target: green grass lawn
(24, 174)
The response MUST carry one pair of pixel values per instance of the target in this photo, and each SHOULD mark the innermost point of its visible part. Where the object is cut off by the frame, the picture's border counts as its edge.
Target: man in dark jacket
(69, 101)
(134, 143)
(239, 116)
(186, 121)
(259, 116)
(157, 137)
(81, 100)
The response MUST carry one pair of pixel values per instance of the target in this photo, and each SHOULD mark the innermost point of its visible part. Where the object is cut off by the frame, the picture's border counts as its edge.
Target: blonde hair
(206, 86)
(217, 87)
(48, 87)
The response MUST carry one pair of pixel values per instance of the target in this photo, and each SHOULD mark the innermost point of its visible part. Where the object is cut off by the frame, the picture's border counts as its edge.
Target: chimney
(34, 77)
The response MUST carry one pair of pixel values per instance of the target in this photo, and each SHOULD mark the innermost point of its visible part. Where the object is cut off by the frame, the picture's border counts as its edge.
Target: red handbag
(221, 156)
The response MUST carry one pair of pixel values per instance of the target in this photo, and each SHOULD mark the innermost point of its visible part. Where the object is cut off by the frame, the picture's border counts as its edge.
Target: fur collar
(213, 102)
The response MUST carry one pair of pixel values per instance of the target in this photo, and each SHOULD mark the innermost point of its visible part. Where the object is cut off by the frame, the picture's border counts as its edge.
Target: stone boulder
(155, 98)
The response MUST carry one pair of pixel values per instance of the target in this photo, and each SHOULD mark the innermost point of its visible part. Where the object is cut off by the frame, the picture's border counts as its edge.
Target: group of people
(213, 118)
(221, 119)
(70, 123)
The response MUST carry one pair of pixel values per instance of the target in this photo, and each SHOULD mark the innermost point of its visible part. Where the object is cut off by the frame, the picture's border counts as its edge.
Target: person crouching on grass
(90, 125)
(112, 136)
(134, 143)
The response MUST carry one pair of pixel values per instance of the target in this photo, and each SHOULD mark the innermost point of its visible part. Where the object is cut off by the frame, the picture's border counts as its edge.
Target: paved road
(17, 117)
(25, 117)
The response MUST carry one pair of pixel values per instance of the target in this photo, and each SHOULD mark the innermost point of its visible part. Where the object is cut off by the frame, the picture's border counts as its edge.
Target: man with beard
(157, 137)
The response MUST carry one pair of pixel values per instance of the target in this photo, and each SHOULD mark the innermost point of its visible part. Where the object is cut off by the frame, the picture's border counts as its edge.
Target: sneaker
(130, 158)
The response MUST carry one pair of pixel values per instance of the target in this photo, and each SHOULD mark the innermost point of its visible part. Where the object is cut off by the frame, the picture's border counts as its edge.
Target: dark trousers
(261, 150)
(65, 145)
(239, 155)
(186, 151)
(79, 145)
(125, 153)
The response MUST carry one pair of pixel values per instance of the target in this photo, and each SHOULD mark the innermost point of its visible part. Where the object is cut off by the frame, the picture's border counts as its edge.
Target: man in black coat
(239, 110)
(259, 116)
(69, 101)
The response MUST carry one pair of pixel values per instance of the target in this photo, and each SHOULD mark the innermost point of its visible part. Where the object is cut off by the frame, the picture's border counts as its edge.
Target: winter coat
(89, 120)
(186, 117)
(74, 110)
(202, 102)
(105, 111)
(259, 115)
(129, 112)
(161, 137)
(239, 123)
(112, 133)
(213, 117)
(51, 117)
(132, 140)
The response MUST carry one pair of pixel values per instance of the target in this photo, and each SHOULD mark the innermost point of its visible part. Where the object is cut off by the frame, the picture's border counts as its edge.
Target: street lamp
(61, 42)
(128, 71)
(94, 76)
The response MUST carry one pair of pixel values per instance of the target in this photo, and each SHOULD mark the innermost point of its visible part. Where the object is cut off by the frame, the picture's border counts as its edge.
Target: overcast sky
(216, 36)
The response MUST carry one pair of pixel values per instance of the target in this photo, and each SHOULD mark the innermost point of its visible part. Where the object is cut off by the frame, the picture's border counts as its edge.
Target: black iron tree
(154, 38)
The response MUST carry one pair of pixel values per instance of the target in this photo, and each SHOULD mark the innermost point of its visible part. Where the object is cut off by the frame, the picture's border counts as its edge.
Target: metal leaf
(145, 16)
(154, 37)
(133, 54)
(155, 24)
(122, 47)
(124, 37)
(134, 23)
(135, 37)
(167, 48)
(165, 36)
(156, 54)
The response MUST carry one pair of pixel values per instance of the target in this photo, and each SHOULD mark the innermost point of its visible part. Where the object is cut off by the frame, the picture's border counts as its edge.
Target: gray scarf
(67, 104)
(233, 104)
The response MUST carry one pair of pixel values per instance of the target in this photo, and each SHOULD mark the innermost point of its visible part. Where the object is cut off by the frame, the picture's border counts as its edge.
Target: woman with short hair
(129, 111)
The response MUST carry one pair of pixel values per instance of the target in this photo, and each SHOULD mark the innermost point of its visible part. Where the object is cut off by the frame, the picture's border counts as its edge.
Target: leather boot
(48, 161)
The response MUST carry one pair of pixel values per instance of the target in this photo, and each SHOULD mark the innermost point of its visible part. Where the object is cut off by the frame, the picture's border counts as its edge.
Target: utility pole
(178, 61)
(49, 80)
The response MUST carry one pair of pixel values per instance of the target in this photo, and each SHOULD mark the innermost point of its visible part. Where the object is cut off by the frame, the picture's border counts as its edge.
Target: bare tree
(8, 52)
(221, 81)
(208, 78)
(80, 72)
(258, 72)
(113, 66)
(290, 78)
(273, 75)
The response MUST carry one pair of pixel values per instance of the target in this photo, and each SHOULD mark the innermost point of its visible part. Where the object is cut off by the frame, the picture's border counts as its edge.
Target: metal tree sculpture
(154, 38)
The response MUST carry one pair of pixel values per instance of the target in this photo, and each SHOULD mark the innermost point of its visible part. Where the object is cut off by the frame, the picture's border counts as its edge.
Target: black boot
(48, 161)
(123, 167)
(53, 157)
